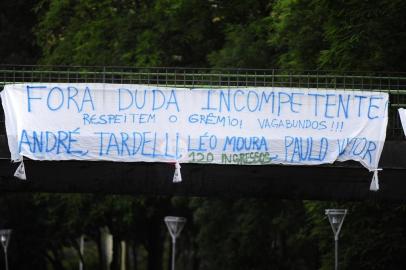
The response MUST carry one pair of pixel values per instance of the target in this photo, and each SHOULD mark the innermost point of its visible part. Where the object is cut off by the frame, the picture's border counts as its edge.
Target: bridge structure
(338, 181)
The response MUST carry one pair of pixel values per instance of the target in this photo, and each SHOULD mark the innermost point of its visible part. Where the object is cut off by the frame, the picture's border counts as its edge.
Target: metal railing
(392, 83)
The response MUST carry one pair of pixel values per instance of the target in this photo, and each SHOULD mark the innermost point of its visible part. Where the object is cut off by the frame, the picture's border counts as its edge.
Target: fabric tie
(375, 181)
(20, 172)
(177, 177)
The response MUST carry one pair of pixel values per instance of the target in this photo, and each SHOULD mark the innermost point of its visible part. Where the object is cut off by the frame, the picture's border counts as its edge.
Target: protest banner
(244, 126)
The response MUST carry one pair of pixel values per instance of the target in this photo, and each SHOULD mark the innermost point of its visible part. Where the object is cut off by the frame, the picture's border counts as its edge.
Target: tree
(340, 35)
(365, 36)
(252, 234)
(17, 19)
(142, 33)
(244, 29)
(296, 31)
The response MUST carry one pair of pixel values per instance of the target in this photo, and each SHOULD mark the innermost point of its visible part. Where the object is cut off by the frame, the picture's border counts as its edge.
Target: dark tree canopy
(18, 43)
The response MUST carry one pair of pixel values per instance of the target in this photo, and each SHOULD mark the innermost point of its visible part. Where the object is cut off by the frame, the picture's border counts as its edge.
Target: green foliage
(245, 47)
(252, 234)
(339, 35)
(142, 33)
(84, 32)
(17, 20)
(177, 32)
(244, 26)
(365, 35)
(296, 32)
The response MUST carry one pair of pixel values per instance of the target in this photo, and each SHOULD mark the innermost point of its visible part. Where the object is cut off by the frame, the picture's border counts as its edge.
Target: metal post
(175, 226)
(5, 258)
(336, 219)
(81, 250)
(173, 252)
(336, 254)
(4, 239)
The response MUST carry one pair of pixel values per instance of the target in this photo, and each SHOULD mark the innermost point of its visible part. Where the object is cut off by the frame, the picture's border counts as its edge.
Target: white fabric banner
(402, 115)
(254, 126)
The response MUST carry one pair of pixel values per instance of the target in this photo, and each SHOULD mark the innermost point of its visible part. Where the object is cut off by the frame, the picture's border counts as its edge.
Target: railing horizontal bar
(214, 74)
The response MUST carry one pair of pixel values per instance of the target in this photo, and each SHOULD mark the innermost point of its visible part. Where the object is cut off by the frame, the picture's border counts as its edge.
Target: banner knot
(20, 172)
(177, 177)
(375, 181)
